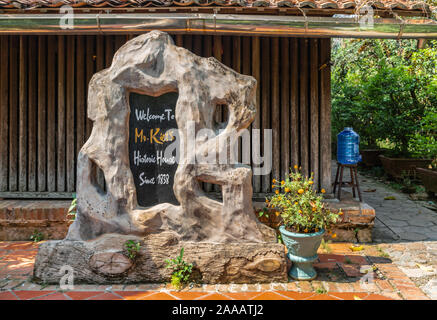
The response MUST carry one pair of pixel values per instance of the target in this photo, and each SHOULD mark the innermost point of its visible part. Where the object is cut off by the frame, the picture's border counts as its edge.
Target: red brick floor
(339, 274)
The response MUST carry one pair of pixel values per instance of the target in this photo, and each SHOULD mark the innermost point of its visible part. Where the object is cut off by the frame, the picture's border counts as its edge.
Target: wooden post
(13, 112)
(42, 108)
(294, 102)
(314, 109)
(325, 115)
(71, 152)
(256, 73)
(51, 114)
(32, 115)
(265, 101)
(275, 110)
(285, 107)
(90, 70)
(22, 106)
(4, 111)
(61, 158)
(304, 130)
(80, 92)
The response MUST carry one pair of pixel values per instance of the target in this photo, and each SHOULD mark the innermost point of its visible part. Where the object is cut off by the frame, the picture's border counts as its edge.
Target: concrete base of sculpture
(104, 260)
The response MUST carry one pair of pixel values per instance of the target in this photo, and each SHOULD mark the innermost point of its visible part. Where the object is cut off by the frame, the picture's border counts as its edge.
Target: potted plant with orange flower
(305, 220)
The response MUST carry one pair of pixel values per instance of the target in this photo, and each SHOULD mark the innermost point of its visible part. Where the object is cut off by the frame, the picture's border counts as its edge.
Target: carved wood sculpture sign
(152, 126)
(152, 90)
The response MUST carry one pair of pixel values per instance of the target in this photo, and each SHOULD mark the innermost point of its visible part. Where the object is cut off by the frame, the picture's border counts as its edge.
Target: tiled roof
(310, 4)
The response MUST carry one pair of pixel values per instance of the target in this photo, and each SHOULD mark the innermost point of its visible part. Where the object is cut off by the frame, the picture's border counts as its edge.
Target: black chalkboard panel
(152, 128)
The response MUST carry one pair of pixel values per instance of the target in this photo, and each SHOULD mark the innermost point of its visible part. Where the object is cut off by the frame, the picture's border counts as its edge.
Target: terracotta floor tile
(4, 245)
(351, 270)
(6, 295)
(188, 295)
(82, 295)
(325, 265)
(270, 296)
(26, 295)
(377, 297)
(305, 286)
(242, 295)
(349, 295)
(105, 296)
(296, 295)
(135, 295)
(214, 296)
(322, 297)
(357, 259)
(53, 296)
(22, 245)
(157, 296)
(329, 257)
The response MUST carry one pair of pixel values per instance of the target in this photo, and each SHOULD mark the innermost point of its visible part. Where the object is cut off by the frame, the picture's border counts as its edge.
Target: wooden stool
(353, 183)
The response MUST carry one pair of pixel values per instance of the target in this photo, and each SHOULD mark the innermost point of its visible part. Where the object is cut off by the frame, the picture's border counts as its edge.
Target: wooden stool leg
(336, 178)
(340, 183)
(351, 171)
(358, 186)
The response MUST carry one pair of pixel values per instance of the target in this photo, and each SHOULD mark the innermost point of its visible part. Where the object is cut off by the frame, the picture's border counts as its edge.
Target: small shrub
(181, 270)
(36, 236)
(321, 290)
(72, 210)
(132, 248)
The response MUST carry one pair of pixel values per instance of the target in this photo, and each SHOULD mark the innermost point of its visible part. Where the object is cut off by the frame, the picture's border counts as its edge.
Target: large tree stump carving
(224, 238)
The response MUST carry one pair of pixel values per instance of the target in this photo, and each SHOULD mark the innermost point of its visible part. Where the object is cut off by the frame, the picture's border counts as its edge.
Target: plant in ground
(72, 210)
(321, 290)
(301, 208)
(132, 248)
(36, 236)
(382, 253)
(325, 245)
(181, 270)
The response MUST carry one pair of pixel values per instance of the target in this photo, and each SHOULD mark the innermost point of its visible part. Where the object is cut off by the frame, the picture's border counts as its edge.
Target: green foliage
(301, 209)
(387, 91)
(325, 246)
(132, 248)
(36, 236)
(264, 213)
(181, 270)
(72, 210)
(321, 290)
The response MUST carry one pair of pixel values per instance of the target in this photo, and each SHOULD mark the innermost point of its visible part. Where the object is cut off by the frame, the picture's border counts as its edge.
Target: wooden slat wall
(43, 87)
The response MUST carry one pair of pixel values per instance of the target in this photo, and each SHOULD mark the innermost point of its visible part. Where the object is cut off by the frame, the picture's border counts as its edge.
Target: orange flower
(277, 213)
(300, 191)
(282, 182)
(277, 191)
(300, 211)
(314, 209)
(311, 182)
(273, 187)
(340, 213)
(287, 189)
(306, 230)
(323, 190)
(296, 203)
(274, 180)
(267, 200)
(295, 166)
(334, 235)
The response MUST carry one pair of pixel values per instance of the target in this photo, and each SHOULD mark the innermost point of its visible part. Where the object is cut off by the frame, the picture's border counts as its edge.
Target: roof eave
(219, 24)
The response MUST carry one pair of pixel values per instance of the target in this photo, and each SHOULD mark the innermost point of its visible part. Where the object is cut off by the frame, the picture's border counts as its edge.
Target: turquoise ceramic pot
(302, 251)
